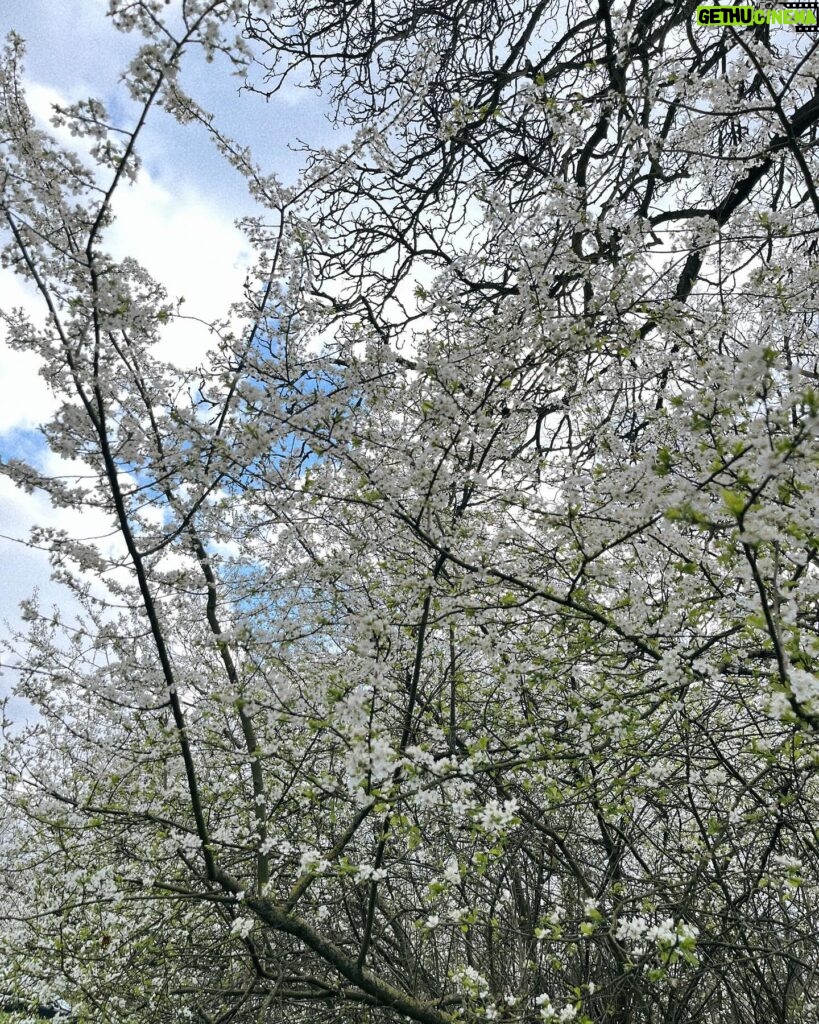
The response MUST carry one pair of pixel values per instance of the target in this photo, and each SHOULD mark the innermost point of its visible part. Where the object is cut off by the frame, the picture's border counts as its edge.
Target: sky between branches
(177, 220)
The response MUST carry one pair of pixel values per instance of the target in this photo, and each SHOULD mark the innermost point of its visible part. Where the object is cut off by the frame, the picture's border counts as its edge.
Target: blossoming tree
(457, 661)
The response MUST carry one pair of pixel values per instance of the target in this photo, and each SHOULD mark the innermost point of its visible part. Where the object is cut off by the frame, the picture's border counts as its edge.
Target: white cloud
(176, 219)
(185, 239)
(25, 399)
(191, 246)
(188, 242)
(25, 570)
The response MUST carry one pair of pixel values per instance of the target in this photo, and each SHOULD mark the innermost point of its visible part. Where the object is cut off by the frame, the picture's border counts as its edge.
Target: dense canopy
(457, 659)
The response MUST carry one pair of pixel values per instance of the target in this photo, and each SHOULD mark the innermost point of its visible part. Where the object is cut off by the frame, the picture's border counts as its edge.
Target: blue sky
(177, 220)
(73, 48)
